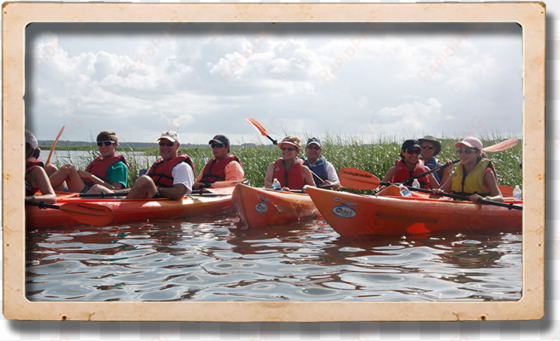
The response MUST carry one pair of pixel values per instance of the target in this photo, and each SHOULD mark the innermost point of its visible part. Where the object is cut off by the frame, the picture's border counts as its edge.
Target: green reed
(342, 152)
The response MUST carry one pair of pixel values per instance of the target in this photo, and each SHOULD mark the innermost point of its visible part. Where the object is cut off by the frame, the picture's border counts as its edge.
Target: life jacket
(99, 167)
(29, 165)
(468, 185)
(216, 170)
(433, 163)
(403, 173)
(294, 178)
(160, 171)
(319, 168)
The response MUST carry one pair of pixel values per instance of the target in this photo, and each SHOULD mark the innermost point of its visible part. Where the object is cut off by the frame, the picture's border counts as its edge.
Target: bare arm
(433, 181)
(115, 186)
(174, 193)
(490, 183)
(268, 178)
(42, 181)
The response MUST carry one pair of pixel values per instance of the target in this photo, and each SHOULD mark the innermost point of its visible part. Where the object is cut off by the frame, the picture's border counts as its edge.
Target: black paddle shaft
(41, 204)
(462, 197)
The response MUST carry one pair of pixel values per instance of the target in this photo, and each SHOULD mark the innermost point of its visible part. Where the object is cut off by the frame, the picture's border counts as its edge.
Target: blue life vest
(319, 168)
(433, 163)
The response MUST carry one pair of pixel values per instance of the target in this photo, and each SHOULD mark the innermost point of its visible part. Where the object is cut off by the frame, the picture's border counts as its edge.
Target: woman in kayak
(108, 170)
(475, 176)
(409, 166)
(289, 170)
(36, 179)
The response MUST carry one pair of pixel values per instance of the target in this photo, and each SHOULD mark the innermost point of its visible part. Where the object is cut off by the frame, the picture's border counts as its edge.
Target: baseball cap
(220, 139)
(170, 135)
(314, 140)
(409, 144)
(30, 139)
(470, 141)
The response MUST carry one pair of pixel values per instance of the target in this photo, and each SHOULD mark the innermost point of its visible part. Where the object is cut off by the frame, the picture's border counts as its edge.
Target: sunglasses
(288, 149)
(105, 143)
(413, 151)
(164, 143)
(314, 147)
(466, 151)
(424, 146)
(217, 145)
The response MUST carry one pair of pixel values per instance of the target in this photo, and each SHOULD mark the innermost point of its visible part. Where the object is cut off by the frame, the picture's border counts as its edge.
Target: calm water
(217, 259)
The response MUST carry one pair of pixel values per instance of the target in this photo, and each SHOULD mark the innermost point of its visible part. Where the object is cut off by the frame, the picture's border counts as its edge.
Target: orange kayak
(259, 206)
(386, 214)
(131, 209)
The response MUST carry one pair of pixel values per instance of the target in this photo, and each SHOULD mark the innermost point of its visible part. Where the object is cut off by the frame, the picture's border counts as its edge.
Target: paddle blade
(257, 125)
(54, 144)
(358, 179)
(498, 147)
(88, 213)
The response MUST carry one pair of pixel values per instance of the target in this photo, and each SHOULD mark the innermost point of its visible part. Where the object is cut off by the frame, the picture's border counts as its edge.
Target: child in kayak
(36, 178)
(222, 167)
(409, 166)
(475, 176)
(289, 170)
(107, 171)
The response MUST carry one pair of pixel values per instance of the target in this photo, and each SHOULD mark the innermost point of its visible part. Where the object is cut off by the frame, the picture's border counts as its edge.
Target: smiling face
(464, 155)
(289, 151)
(428, 150)
(313, 152)
(412, 157)
(168, 149)
(107, 148)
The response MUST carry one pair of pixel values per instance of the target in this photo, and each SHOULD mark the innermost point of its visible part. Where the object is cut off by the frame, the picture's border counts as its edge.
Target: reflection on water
(215, 259)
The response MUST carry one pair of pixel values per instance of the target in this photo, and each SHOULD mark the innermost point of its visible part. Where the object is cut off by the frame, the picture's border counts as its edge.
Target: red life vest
(99, 167)
(402, 173)
(29, 165)
(160, 171)
(216, 170)
(294, 178)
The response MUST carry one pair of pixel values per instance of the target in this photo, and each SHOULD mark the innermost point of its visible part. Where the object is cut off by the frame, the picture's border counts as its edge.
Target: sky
(361, 82)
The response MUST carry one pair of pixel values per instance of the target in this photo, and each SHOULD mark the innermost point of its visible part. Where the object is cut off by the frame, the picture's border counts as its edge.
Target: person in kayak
(36, 178)
(107, 171)
(475, 176)
(289, 169)
(319, 165)
(409, 166)
(222, 167)
(171, 176)
(430, 148)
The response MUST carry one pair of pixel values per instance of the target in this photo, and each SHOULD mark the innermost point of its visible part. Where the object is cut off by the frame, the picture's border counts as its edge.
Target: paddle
(359, 179)
(261, 129)
(217, 191)
(498, 147)
(297, 190)
(54, 144)
(85, 213)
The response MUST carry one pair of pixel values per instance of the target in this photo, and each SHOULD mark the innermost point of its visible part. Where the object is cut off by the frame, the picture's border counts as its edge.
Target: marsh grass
(341, 151)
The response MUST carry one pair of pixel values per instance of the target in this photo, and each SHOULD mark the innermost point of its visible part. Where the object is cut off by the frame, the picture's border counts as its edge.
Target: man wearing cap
(289, 170)
(319, 164)
(410, 166)
(36, 179)
(171, 176)
(222, 167)
(430, 148)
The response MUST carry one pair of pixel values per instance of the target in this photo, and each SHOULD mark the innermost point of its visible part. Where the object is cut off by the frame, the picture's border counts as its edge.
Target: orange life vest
(294, 178)
(160, 171)
(403, 173)
(99, 167)
(216, 170)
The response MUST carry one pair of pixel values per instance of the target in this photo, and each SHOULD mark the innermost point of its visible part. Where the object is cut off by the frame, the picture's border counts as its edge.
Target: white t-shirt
(331, 172)
(183, 174)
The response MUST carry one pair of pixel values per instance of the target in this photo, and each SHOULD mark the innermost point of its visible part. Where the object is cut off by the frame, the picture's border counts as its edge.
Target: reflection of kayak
(257, 206)
(134, 209)
(352, 214)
